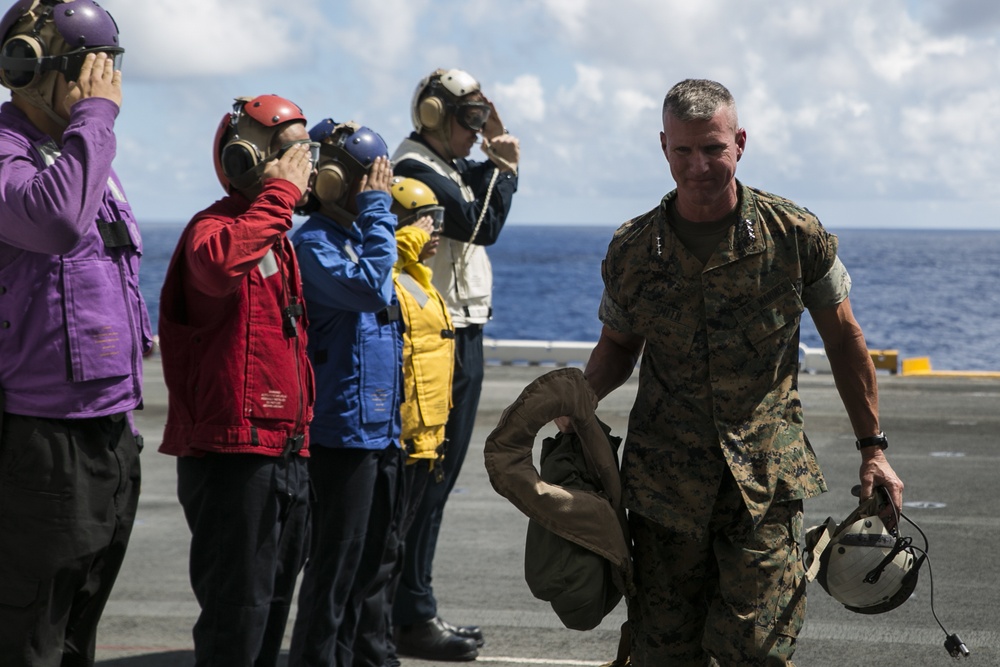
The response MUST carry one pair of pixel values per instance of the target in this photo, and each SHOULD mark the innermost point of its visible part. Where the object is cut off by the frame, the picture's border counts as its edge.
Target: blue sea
(925, 293)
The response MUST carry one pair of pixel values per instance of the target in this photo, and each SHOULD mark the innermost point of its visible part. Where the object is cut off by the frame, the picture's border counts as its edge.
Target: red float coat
(237, 382)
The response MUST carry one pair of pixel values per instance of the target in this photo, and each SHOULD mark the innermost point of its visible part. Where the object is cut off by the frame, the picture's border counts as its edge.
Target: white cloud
(630, 105)
(896, 47)
(569, 14)
(886, 101)
(587, 89)
(523, 99)
(187, 38)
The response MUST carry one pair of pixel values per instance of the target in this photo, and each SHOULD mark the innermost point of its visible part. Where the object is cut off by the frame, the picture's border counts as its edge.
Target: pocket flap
(17, 591)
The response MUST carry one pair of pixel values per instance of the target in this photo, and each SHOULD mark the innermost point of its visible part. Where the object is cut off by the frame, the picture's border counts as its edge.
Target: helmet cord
(953, 643)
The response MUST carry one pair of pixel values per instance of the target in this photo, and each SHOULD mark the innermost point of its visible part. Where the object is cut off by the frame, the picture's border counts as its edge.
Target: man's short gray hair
(698, 99)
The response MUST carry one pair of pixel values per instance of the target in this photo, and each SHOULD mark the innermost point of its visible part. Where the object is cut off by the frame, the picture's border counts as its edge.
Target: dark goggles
(473, 115)
(71, 63)
(68, 63)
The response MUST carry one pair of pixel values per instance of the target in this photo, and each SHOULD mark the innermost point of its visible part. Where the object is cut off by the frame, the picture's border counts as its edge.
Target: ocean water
(932, 293)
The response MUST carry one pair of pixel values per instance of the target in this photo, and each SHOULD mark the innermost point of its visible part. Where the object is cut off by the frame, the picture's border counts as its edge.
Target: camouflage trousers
(734, 596)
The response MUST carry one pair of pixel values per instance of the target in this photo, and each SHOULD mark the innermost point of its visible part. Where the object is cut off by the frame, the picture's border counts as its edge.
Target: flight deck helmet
(866, 566)
(444, 93)
(347, 151)
(243, 138)
(412, 199)
(40, 37)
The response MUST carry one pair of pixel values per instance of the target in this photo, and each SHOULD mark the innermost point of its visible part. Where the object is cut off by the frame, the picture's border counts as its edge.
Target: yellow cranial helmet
(412, 199)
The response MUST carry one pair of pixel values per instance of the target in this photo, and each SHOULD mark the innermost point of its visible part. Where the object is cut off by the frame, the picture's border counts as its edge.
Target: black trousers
(415, 601)
(68, 495)
(249, 521)
(416, 477)
(341, 613)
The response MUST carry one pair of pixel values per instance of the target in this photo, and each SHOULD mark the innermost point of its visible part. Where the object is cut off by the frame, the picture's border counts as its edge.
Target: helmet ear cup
(432, 112)
(331, 182)
(238, 157)
(26, 47)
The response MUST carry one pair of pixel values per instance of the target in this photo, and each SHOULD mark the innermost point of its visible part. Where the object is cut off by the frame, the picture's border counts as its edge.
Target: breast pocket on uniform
(665, 319)
(771, 319)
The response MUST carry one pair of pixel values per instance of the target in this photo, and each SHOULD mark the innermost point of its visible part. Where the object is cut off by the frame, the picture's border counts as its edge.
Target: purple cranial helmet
(41, 36)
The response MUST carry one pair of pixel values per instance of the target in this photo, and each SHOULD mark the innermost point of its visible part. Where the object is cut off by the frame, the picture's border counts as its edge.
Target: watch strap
(879, 441)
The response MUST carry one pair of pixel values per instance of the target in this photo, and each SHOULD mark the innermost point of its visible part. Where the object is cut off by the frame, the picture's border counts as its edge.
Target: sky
(871, 113)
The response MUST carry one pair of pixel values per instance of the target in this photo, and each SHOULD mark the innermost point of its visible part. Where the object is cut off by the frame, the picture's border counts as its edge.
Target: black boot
(431, 640)
(472, 632)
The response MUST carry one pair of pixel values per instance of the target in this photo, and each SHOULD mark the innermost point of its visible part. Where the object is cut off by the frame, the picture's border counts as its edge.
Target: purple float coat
(73, 324)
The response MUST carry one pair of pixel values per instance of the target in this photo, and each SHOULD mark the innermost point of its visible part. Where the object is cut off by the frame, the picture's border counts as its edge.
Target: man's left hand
(504, 150)
(876, 471)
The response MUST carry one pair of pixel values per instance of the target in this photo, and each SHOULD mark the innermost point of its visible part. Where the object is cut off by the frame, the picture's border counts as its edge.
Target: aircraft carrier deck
(944, 443)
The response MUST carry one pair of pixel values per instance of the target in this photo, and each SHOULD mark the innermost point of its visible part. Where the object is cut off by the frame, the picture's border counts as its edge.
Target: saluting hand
(494, 126)
(98, 78)
(379, 176)
(426, 223)
(294, 166)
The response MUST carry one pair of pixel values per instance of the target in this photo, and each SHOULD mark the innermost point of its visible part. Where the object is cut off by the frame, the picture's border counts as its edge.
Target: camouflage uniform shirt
(718, 377)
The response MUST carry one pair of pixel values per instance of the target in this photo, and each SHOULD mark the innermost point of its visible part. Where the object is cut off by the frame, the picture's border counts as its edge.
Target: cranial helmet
(347, 151)
(412, 199)
(862, 563)
(438, 96)
(866, 566)
(243, 138)
(42, 36)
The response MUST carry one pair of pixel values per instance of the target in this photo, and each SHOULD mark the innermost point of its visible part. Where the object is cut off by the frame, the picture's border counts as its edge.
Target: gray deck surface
(944, 443)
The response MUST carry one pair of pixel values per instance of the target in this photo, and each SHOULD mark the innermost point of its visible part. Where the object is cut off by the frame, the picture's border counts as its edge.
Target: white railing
(813, 359)
(569, 353)
(536, 352)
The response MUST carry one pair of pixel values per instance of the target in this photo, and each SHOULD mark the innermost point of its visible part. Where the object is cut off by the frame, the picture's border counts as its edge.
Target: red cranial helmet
(243, 138)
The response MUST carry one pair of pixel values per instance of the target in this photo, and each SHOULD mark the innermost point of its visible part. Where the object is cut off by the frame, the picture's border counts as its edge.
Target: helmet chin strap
(443, 135)
(337, 213)
(248, 179)
(42, 97)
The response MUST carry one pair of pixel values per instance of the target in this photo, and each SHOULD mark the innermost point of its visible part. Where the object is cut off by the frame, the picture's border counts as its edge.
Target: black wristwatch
(879, 441)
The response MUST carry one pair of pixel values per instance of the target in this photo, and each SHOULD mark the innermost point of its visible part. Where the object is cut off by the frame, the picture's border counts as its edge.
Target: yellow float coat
(428, 349)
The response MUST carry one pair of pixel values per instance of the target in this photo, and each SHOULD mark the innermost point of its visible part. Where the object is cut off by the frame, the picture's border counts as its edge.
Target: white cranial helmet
(862, 563)
(867, 566)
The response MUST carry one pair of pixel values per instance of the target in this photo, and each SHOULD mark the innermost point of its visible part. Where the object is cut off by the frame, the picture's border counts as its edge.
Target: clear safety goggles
(437, 217)
(314, 147)
(473, 115)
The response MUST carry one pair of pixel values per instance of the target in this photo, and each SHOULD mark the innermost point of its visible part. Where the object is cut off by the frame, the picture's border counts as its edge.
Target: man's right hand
(98, 78)
(426, 223)
(294, 166)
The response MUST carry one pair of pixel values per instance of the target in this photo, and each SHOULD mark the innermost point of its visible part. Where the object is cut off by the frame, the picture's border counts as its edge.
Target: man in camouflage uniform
(710, 287)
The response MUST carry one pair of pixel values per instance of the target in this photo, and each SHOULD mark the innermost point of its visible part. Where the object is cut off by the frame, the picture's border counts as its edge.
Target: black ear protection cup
(432, 112)
(331, 182)
(238, 157)
(21, 46)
